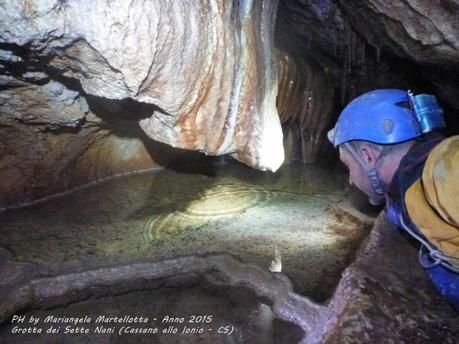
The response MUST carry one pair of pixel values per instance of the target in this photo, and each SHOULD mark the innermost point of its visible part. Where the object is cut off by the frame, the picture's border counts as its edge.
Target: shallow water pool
(214, 208)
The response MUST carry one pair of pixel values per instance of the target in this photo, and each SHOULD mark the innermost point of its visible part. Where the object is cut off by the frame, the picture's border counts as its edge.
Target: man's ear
(369, 155)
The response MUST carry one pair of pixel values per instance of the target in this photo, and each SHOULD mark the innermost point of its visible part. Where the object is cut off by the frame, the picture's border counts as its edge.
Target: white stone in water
(276, 263)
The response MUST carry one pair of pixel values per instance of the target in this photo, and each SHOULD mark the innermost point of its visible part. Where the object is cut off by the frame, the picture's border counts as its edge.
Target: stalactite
(304, 106)
(344, 75)
(206, 66)
(353, 59)
(348, 48)
(378, 53)
(354, 47)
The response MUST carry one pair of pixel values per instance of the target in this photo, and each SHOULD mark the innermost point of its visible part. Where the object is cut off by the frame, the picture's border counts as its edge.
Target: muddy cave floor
(214, 209)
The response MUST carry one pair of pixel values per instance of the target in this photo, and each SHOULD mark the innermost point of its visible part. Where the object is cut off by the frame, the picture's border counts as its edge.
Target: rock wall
(207, 66)
(386, 297)
(423, 31)
(199, 76)
(426, 31)
(50, 142)
(86, 86)
(377, 43)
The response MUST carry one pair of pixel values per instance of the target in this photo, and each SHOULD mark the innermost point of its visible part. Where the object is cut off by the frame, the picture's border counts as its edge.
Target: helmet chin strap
(375, 182)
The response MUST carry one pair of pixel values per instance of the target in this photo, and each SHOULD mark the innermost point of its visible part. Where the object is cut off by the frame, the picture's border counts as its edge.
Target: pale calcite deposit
(207, 66)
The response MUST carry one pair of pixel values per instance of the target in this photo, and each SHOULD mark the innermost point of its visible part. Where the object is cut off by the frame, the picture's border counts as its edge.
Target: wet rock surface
(233, 279)
(85, 86)
(427, 32)
(234, 309)
(52, 141)
(422, 31)
(89, 91)
(378, 44)
(385, 297)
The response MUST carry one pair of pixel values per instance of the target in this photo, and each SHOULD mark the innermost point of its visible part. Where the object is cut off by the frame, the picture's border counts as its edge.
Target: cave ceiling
(401, 43)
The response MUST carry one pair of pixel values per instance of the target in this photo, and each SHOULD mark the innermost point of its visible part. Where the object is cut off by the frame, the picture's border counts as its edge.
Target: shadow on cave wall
(119, 117)
(122, 118)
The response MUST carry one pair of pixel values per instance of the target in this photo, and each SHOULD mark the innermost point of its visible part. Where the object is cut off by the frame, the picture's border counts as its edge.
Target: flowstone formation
(91, 90)
(207, 67)
(212, 271)
(51, 141)
(304, 106)
(374, 302)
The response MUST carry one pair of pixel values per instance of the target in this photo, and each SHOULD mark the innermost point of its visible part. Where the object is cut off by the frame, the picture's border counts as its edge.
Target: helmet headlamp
(429, 114)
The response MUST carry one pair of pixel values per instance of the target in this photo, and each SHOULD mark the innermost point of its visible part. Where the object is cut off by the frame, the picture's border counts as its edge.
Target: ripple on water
(218, 202)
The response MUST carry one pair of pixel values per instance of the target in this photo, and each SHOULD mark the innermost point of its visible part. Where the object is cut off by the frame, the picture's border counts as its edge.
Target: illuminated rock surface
(386, 297)
(52, 141)
(197, 76)
(208, 67)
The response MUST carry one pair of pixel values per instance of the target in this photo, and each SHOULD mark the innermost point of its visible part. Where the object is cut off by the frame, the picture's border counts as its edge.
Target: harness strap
(439, 258)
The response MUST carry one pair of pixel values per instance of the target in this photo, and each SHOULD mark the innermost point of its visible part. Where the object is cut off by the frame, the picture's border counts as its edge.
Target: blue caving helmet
(387, 116)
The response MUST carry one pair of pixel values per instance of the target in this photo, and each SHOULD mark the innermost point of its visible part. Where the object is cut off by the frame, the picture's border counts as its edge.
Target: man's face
(357, 175)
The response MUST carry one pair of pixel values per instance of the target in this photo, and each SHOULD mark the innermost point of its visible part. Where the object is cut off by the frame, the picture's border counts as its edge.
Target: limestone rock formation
(51, 141)
(406, 44)
(375, 301)
(199, 76)
(208, 67)
(304, 106)
(424, 31)
(52, 105)
(386, 297)
(213, 270)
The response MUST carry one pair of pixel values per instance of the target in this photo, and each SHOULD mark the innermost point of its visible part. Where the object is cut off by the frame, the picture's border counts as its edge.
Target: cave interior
(170, 159)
